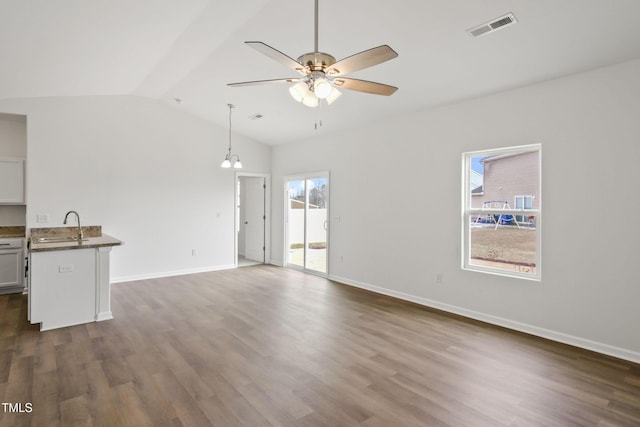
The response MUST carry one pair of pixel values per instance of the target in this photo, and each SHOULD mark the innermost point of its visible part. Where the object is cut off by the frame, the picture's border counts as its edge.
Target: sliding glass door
(307, 227)
(296, 222)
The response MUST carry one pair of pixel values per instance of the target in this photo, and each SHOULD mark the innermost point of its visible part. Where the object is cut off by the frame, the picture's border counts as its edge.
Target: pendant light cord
(226, 164)
(230, 109)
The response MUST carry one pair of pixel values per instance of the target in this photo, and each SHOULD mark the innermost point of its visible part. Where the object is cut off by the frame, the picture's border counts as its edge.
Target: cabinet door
(62, 290)
(11, 268)
(11, 180)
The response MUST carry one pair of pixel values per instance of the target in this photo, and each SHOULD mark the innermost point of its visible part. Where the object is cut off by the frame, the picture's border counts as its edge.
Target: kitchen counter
(69, 280)
(87, 243)
(12, 231)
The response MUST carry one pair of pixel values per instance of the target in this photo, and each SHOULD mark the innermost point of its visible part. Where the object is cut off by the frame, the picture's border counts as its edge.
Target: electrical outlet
(438, 278)
(65, 268)
(194, 252)
(42, 218)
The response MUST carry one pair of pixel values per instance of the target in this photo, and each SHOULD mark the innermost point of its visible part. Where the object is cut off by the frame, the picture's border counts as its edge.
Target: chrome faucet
(80, 234)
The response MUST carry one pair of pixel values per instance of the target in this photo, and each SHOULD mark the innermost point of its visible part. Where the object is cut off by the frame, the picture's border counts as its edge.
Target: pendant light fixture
(226, 164)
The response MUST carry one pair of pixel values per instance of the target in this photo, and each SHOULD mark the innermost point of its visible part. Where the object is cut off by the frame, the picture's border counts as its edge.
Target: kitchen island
(69, 278)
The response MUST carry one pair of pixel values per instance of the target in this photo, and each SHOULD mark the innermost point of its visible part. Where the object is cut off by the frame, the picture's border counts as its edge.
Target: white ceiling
(190, 49)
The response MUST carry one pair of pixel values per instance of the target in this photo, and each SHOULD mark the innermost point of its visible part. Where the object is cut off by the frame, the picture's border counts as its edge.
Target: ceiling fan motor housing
(316, 61)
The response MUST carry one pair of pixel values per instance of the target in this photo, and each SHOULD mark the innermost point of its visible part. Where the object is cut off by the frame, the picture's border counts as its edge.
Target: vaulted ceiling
(190, 49)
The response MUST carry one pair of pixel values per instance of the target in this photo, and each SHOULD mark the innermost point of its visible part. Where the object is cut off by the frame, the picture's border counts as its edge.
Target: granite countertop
(12, 231)
(87, 230)
(87, 243)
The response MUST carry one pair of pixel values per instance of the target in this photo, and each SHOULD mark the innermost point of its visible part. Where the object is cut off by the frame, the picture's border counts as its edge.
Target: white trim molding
(160, 275)
(103, 285)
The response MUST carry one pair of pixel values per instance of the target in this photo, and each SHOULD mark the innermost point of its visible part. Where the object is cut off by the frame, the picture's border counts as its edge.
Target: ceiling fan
(321, 74)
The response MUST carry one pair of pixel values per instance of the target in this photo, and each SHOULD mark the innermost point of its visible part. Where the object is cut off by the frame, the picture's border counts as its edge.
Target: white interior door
(254, 218)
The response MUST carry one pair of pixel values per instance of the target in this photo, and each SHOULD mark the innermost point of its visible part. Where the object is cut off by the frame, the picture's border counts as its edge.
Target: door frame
(267, 214)
(285, 246)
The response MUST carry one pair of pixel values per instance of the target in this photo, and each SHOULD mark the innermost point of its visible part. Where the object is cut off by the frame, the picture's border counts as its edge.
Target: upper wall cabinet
(11, 181)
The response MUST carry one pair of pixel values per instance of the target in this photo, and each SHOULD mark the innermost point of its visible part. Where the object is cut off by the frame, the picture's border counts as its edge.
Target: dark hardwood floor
(262, 346)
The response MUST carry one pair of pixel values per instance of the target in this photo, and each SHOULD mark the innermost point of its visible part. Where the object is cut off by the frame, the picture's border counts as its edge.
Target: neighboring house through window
(523, 202)
(502, 211)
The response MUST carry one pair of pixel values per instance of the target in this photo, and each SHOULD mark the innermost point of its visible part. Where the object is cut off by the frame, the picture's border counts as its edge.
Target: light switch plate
(42, 218)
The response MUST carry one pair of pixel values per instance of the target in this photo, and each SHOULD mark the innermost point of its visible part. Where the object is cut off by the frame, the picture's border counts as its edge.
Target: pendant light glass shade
(310, 99)
(335, 94)
(322, 88)
(226, 163)
(298, 91)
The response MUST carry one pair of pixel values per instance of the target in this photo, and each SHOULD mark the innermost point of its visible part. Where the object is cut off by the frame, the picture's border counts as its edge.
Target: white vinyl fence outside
(315, 226)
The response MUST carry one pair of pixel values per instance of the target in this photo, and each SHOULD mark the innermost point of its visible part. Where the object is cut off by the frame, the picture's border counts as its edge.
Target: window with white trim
(501, 218)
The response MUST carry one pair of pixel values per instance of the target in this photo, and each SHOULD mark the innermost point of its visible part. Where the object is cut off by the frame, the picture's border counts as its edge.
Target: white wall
(147, 172)
(13, 135)
(402, 178)
(12, 215)
(13, 143)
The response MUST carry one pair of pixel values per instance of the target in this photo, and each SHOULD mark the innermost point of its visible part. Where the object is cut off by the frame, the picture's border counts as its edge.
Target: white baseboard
(598, 347)
(277, 262)
(105, 315)
(170, 273)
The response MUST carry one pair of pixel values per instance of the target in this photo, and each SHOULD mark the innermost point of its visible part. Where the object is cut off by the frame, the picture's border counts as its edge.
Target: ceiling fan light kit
(310, 93)
(322, 74)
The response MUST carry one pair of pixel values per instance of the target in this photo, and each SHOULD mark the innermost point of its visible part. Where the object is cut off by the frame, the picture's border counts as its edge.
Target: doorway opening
(251, 221)
(307, 223)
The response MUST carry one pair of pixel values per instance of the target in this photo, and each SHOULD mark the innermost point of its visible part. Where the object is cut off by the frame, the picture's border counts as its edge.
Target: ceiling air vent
(494, 25)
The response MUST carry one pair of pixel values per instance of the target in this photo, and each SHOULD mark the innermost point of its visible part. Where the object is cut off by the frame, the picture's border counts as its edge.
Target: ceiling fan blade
(278, 56)
(364, 86)
(261, 82)
(364, 59)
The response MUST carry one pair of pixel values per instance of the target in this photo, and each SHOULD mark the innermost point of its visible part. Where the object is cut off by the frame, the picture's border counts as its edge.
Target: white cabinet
(11, 181)
(11, 267)
(62, 288)
(70, 286)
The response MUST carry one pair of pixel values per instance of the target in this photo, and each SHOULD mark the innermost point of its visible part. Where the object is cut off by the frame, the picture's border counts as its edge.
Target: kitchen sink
(56, 239)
